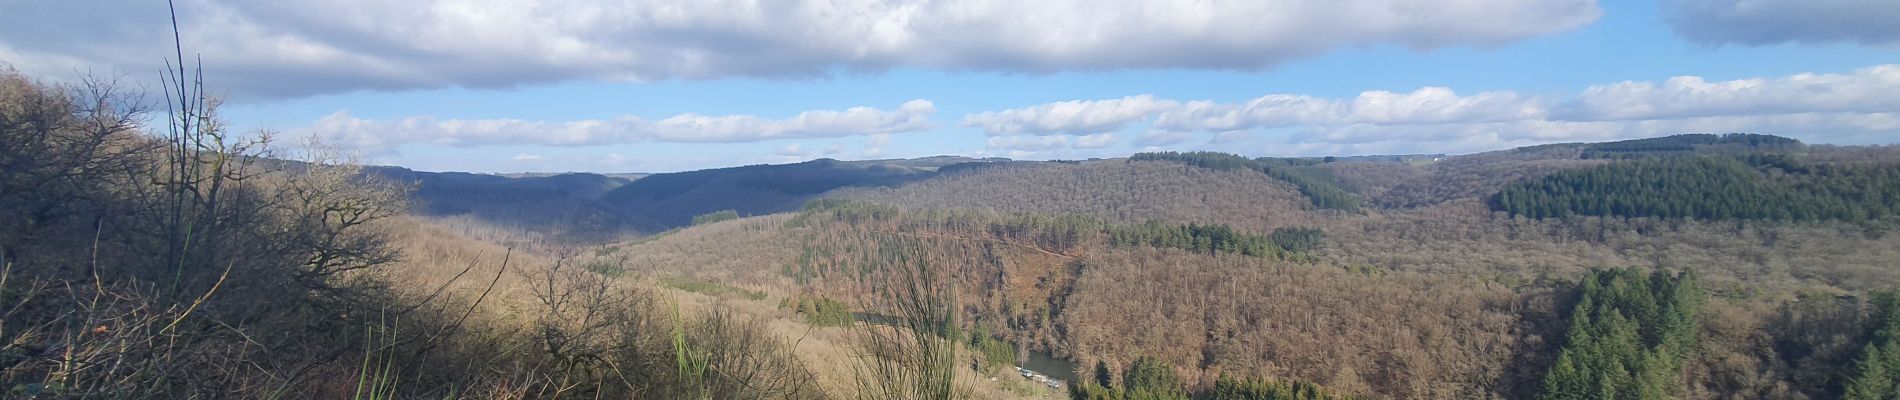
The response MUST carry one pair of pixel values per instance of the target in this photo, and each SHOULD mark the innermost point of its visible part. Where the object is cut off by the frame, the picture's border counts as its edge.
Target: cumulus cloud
(1869, 89)
(1857, 107)
(527, 157)
(1052, 142)
(1422, 106)
(1163, 137)
(1068, 117)
(344, 129)
(294, 48)
(1029, 143)
(1766, 22)
(1845, 128)
(1096, 141)
(875, 144)
(612, 162)
(911, 116)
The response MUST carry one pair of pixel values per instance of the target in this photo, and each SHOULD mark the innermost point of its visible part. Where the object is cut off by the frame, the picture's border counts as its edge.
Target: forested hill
(1761, 187)
(566, 204)
(587, 206)
(664, 201)
(1652, 268)
(1702, 143)
(1701, 176)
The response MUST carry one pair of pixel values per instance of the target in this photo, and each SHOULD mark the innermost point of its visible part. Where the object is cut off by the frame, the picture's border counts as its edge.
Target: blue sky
(612, 86)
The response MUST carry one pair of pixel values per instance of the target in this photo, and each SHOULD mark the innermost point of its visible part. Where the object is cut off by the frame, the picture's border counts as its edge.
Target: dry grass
(437, 251)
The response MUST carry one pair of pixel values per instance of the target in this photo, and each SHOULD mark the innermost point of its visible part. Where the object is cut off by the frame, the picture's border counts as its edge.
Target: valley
(950, 200)
(1454, 297)
(1686, 266)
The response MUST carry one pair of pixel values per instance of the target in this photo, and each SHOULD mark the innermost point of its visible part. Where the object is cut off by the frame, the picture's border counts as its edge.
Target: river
(1046, 364)
(1040, 362)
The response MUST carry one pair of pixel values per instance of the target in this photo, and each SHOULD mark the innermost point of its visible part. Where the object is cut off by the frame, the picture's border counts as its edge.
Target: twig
(201, 299)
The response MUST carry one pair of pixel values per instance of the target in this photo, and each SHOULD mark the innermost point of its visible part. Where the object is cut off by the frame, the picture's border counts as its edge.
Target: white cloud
(1844, 128)
(1767, 22)
(1231, 137)
(875, 144)
(1068, 117)
(527, 157)
(1156, 138)
(1029, 143)
(791, 150)
(1858, 107)
(913, 115)
(295, 48)
(343, 129)
(612, 162)
(1871, 89)
(1045, 143)
(1423, 106)
(1096, 141)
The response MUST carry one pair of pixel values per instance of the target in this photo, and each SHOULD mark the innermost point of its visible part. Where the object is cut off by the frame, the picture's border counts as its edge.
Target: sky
(672, 85)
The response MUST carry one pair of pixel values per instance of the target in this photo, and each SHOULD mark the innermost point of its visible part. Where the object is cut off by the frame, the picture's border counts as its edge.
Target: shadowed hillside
(565, 205)
(586, 207)
(663, 201)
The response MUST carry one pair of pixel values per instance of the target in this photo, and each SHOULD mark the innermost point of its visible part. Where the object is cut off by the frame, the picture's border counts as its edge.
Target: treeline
(716, 216)
(1296, 239)
(1629, 334)
(819, 310)
(1216, 238)
(1151, 379)
(995, 352)
(1230, 388)
(1314, 183)
(1685, 144)
(1061, 233)
(1767, 187)
(1113, 190)
(664, 201)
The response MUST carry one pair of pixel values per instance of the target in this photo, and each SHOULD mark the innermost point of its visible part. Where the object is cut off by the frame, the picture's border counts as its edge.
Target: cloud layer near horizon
(292, 48)
(1854, 107)
(347, 131)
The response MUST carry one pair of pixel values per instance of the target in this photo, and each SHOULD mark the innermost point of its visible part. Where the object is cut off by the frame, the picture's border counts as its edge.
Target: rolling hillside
(664, 201)
(588, 207)
(1034, 249)
(1310, 271)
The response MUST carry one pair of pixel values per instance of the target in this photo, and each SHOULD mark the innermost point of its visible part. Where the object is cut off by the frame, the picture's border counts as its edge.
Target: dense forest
(1690, 144)
(1876, 371)
(1147, 378)
(1774, 187)
(1628, 336)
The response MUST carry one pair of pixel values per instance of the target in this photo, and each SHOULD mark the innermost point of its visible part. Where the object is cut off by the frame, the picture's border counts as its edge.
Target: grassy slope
(439, 249)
